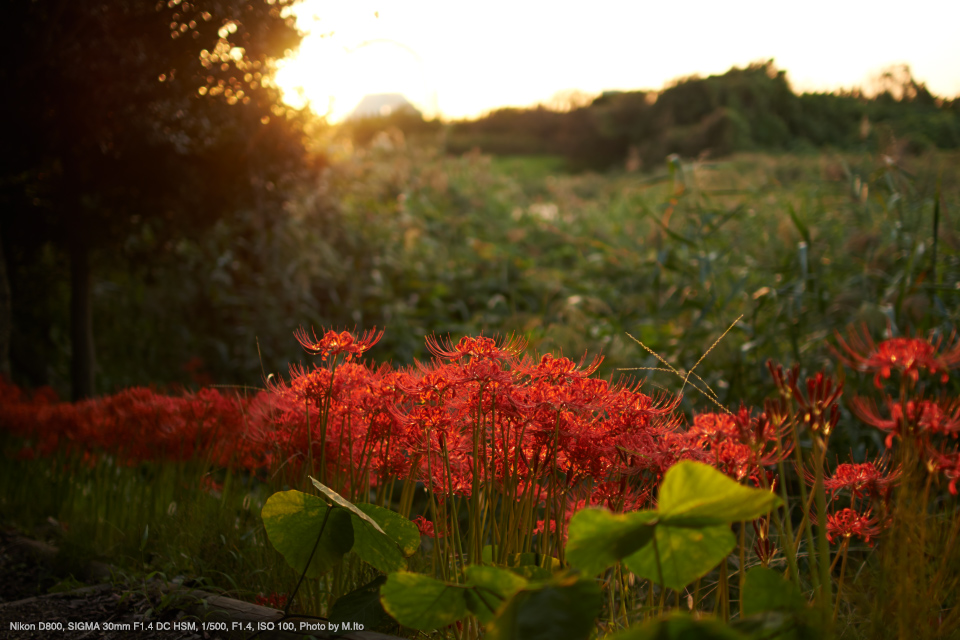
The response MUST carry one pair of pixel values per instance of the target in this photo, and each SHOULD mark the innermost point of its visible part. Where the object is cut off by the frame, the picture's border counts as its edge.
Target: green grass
(529, 168)
(147, 518)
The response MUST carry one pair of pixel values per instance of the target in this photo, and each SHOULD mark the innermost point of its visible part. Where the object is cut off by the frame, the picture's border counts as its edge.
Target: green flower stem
(742, 573)
(805, 522)
(823, 551)
(783, 520)
(843, 568)
(723, 594)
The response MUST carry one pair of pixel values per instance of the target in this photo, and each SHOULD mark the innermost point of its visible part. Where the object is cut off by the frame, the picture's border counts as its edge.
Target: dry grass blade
(711, 396)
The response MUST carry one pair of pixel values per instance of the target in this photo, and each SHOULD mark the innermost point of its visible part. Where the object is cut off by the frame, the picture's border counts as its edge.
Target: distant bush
(744, 109)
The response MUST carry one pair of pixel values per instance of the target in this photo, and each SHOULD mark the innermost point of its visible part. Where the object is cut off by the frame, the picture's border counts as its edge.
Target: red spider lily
(926, 415)
(274, 600)
(847, 523)
(429, 382)
(873, 479)
(907, 355)
(741, 444)
(763, 547)
(480, 347)
(556, 370)
(949, 464)
(942, 418)
(714, 427)
(333, 344)
(426, 527)
(304, 385)
(817, 409)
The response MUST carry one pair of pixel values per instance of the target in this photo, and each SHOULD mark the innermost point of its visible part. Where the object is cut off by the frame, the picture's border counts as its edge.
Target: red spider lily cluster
(847, 523)
(274, 600)
(479, 419)
(538, 438)
(140, 424)
(916, 415)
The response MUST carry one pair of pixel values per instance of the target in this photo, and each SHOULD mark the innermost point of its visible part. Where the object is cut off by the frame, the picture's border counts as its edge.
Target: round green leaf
(685, 554)
(492, 586)
(599, 538)
(768, 590)
(403, 532)
(419, 602)
(694, 494)
(293, 519)
(376, 548)
(559, 611)
(362, 605)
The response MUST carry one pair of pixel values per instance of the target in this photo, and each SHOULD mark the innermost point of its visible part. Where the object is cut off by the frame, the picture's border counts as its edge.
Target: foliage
(135, 119)
(743, 109)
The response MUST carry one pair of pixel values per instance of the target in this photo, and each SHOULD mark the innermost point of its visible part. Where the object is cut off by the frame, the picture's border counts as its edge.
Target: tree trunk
(81, 322)
(6, 316)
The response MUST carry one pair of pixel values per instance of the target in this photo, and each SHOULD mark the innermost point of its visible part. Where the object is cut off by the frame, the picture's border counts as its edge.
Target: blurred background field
(402, 235)
(170, 220)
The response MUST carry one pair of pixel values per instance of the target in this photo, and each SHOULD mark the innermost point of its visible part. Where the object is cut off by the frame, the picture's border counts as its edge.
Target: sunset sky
(460, 59)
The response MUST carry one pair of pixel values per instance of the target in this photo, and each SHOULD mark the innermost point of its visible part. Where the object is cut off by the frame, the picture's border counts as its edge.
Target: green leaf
(767, 590)
(293, 519)
(376, 549)
(802, 228)
(565, 610)
(492, 586)
(420, 602)
(680, 627)
(685, 554)
(363, 605)
(396, 527)
(696, 495)
(339, 500)
(384, 551)
(599, 538)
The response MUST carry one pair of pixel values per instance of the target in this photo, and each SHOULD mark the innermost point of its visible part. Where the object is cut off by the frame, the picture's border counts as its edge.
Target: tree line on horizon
(748, 109)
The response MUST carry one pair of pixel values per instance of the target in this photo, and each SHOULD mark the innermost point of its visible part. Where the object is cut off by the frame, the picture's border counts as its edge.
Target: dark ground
(39, 598)
(25, 584)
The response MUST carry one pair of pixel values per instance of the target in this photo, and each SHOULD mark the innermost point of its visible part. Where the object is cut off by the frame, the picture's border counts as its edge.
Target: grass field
(773, 254)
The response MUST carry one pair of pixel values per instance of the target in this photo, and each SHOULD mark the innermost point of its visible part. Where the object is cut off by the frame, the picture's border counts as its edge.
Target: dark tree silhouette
(130, 117)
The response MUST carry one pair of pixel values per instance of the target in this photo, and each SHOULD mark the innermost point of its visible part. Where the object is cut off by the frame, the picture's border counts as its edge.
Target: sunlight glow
(462, 59)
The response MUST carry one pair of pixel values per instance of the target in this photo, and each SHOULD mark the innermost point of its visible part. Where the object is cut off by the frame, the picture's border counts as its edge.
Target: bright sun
(343, 58)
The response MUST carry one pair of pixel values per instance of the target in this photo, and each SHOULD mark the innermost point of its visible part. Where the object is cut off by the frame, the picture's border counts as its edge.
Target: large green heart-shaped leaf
(420, 602)
(685, 554)
(768, 590)
(362, 605)
(564, 610)
(697, 495)
(373, 545)
(395, 526)
(293, 520)
(599, 538)
(492, 587)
